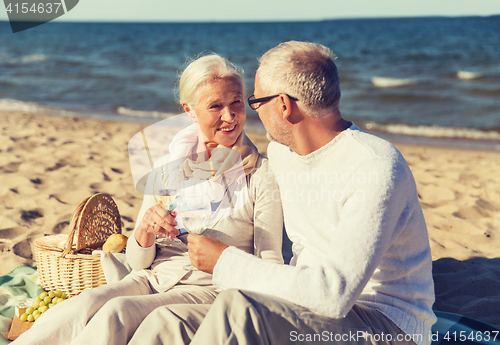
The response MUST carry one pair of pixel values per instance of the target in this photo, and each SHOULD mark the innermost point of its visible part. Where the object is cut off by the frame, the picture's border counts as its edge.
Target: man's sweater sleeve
(333, 282)
(268, 215)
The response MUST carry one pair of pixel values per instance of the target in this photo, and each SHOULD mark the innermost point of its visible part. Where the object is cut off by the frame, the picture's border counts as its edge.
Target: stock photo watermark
(26, 14)
(311, 188)
(153, 144)
(356, 336)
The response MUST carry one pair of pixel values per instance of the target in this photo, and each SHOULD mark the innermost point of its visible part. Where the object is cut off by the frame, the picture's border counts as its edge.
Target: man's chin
(269, 137)
(279, 141)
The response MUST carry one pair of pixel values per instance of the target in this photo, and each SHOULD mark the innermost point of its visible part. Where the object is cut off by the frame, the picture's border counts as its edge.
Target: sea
(434, 80)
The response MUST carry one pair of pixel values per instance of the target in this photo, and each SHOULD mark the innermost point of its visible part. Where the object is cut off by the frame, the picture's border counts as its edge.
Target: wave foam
(465, 75)
(8, 104)
(4, 57)
(435, 131)
(33, 58)
(142, 113)
(391, 82)
(13, 105)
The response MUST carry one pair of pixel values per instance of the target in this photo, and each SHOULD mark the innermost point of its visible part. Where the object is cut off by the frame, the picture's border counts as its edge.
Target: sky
(267, 10)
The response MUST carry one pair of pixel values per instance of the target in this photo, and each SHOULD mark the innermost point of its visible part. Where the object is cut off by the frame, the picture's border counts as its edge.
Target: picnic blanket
(19, 285)
(458, 329)
(22, 283)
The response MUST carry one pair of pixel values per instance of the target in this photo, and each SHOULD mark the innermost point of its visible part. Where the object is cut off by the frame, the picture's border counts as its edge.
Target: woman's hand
(204, 252)
(156, 221)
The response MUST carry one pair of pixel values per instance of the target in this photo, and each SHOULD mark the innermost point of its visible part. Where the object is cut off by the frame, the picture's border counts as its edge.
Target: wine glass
(194, 212)
(166, 198)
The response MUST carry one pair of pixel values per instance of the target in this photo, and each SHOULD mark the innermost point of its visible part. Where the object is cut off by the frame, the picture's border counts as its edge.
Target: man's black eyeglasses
(255, 103)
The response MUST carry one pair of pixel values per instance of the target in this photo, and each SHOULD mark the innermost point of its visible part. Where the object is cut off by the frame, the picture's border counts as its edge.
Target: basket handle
(73, 226)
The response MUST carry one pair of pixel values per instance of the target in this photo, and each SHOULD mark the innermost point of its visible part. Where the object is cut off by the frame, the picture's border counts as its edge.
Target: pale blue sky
(268, 10)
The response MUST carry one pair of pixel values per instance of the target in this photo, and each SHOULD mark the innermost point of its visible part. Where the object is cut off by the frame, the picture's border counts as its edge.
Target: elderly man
(361, 266)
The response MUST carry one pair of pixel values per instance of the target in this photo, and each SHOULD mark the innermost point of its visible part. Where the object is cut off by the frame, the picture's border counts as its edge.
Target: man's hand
(204, 252)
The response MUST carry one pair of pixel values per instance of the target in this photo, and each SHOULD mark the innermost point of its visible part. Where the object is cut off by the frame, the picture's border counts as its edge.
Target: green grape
(41, 304)
(36, 312)
(36, 316)
(51, 305)
(58, 293)
(24, 317)
(51, 294)
(30, 318)
(43, 309)
(38, 299)
(64, 296)
(47, 299)
(36, 304)
(43, 295)
(30, 310)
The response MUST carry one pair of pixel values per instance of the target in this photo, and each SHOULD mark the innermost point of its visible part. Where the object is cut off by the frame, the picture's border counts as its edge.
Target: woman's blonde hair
(203, 70)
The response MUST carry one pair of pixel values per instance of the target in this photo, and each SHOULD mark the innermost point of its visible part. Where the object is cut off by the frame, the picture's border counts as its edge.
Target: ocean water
(425, 77)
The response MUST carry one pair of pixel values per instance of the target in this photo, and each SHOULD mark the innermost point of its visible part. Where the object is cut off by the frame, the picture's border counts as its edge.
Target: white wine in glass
(166, 198)
(194, 211)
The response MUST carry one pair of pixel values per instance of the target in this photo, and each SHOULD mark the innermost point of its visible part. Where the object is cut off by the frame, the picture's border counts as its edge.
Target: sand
(460, 196)
(48, 165)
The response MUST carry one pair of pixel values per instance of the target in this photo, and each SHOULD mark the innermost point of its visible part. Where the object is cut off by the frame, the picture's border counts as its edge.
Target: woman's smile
(220, 111)
(227, 129)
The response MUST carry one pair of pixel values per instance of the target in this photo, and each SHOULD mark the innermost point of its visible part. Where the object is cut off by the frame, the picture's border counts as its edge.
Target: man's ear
(284, 107)
(190, 112)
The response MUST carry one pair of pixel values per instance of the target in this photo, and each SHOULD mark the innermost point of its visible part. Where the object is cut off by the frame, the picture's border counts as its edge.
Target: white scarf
(222, 177)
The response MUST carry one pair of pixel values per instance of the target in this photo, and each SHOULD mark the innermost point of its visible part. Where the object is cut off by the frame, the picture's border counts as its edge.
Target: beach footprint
(23, 249)
(61, 227)
(31, 215)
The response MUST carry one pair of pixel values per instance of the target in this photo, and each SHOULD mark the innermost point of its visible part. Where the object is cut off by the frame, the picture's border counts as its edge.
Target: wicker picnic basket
(65, 262)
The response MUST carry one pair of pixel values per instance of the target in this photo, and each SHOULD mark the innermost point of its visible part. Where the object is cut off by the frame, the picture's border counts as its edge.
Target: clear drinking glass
(194, 212)
(167, 199)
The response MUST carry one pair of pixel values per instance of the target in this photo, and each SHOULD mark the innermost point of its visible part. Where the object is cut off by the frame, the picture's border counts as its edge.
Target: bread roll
(115, 243)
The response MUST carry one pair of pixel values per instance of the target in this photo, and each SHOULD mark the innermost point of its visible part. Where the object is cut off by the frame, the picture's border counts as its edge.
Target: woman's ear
(190, 112)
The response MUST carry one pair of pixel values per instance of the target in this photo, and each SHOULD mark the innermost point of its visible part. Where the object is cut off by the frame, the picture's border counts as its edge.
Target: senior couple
(361, 266)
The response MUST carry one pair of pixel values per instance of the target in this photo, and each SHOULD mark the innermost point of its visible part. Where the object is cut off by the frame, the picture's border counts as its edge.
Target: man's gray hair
(303, 70)
(203, 70)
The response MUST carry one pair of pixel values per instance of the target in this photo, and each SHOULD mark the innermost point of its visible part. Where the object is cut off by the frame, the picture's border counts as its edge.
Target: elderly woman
(212, 92)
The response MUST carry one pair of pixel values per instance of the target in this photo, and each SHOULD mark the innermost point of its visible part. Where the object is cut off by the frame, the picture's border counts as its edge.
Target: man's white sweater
(359, 236)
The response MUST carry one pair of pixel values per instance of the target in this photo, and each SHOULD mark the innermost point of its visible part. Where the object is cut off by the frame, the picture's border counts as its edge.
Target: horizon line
(142, 21)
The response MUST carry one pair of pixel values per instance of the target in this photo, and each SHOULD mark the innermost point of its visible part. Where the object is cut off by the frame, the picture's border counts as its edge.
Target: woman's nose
(227, 115)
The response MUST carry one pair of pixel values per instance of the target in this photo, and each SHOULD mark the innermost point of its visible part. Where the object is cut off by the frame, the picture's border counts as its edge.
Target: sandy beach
(48, 165)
